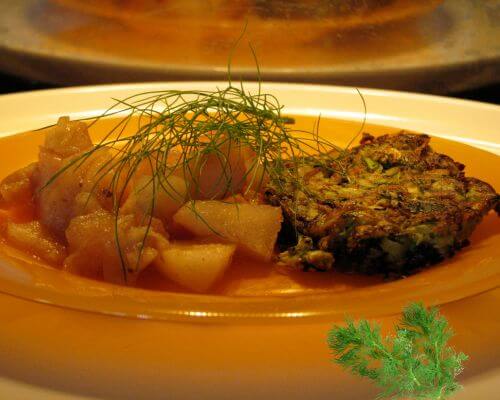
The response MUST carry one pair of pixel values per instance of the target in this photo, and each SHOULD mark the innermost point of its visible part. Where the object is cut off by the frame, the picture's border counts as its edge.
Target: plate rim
(482, 135)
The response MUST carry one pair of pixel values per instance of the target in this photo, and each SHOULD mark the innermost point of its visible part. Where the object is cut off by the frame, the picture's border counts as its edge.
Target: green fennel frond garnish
(174, 132)
(415, 363)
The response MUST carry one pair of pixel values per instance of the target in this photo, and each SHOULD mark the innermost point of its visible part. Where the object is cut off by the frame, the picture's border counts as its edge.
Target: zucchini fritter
(390, 205)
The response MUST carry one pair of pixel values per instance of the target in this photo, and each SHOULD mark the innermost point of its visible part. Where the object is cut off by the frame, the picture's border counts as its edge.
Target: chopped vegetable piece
(161, 200)
(18, 186)
(196, 266)
(254, 228)
(32, 238)
(93, 246)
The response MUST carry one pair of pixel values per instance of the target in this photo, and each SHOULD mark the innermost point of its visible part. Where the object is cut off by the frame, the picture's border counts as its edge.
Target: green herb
(177, 131)
(416, 363)
(188, 127)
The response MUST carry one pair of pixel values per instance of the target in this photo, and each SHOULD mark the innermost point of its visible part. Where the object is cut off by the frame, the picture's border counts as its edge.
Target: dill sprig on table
(416, 363)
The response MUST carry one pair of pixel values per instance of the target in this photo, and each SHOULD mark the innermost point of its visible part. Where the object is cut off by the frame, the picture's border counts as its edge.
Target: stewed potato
(253, 227)
(196, 266)
(160, 198)
(101, 247)
(32, 237)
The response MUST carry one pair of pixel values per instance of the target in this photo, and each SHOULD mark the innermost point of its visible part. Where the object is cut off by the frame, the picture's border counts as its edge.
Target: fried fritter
(390, 205)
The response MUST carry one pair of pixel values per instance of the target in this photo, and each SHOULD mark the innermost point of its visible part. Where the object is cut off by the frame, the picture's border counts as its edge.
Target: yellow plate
(251, 355)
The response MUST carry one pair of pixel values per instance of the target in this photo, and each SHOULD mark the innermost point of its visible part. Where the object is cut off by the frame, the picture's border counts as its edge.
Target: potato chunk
(55, 202)
(18, 186)
(67, 138)
(94, 251)
(254, 228)
(169, 195)
(31, 237)
(196, 266)
(215, 175)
